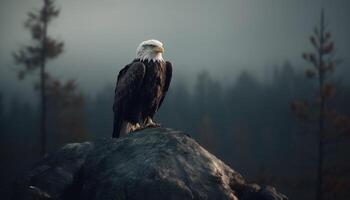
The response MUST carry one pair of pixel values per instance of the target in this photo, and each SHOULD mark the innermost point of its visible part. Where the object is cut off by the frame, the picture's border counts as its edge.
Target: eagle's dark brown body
(140, 91)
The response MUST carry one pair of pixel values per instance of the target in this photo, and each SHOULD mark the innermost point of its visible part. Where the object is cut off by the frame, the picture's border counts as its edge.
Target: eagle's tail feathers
(117, 127)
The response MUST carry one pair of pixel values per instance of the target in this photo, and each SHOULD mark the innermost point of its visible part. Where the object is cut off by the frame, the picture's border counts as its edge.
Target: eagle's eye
(150, 45)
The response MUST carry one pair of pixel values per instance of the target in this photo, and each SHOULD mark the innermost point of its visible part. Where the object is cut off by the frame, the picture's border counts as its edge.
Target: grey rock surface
(155, 163)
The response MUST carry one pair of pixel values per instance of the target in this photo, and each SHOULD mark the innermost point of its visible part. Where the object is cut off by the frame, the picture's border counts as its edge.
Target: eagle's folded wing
(169, 72)
(129, 82)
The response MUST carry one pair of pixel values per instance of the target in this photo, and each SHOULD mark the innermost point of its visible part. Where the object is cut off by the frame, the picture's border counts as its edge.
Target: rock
(54, 175)
(156, 163)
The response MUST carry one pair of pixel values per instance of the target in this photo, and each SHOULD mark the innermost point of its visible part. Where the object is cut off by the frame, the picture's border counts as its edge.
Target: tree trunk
(43, 85)
(319, 191)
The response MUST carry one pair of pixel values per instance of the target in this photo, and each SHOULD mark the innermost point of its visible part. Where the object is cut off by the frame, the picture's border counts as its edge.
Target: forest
(289, 129)
(250, 125)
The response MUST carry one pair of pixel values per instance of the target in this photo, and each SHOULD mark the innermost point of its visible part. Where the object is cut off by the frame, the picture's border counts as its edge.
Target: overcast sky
(222, 36)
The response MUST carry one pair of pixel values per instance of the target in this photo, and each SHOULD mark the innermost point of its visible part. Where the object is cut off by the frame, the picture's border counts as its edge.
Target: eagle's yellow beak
(158, 49)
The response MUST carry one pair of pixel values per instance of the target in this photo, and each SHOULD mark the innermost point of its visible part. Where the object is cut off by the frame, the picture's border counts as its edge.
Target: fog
(238, 86)
(223, 37)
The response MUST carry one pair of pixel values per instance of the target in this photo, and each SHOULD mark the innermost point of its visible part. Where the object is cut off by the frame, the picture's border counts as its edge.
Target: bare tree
(328, 121)
(35, 56)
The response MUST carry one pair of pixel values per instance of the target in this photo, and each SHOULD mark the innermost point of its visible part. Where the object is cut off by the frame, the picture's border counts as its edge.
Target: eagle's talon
(135, 127)
(151, 124)
(154, 125)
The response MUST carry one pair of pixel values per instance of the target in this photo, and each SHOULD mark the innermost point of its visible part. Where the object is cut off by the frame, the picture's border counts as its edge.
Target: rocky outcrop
(156, 163)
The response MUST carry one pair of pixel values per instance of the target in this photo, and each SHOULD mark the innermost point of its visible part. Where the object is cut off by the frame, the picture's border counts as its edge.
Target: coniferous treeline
(249, 125)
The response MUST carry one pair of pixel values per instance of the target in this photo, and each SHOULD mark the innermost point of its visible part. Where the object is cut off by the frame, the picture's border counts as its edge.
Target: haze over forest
(223, 37)
(240, 86)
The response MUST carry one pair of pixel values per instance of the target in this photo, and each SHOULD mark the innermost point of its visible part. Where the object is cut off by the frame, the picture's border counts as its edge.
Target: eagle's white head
(150, 50)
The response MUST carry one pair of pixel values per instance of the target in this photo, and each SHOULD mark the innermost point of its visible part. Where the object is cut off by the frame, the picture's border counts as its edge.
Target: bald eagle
(141, 88)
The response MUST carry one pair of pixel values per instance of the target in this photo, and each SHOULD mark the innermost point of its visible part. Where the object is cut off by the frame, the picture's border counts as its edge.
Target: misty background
(223, 37)
(237, 66)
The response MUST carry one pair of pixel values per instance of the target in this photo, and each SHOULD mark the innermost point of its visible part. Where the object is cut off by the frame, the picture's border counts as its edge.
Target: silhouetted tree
(207, 92)
(323, 64)
(178, 99)
(2, 116)
(207, 102)
(207, 133)
(34, 57)
(66, 116)
(242, 98)
(1, 107)
(99, 112)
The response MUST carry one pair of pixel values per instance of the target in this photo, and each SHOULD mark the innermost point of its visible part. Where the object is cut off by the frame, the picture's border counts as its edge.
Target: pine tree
(34, 57)
(330, 124)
